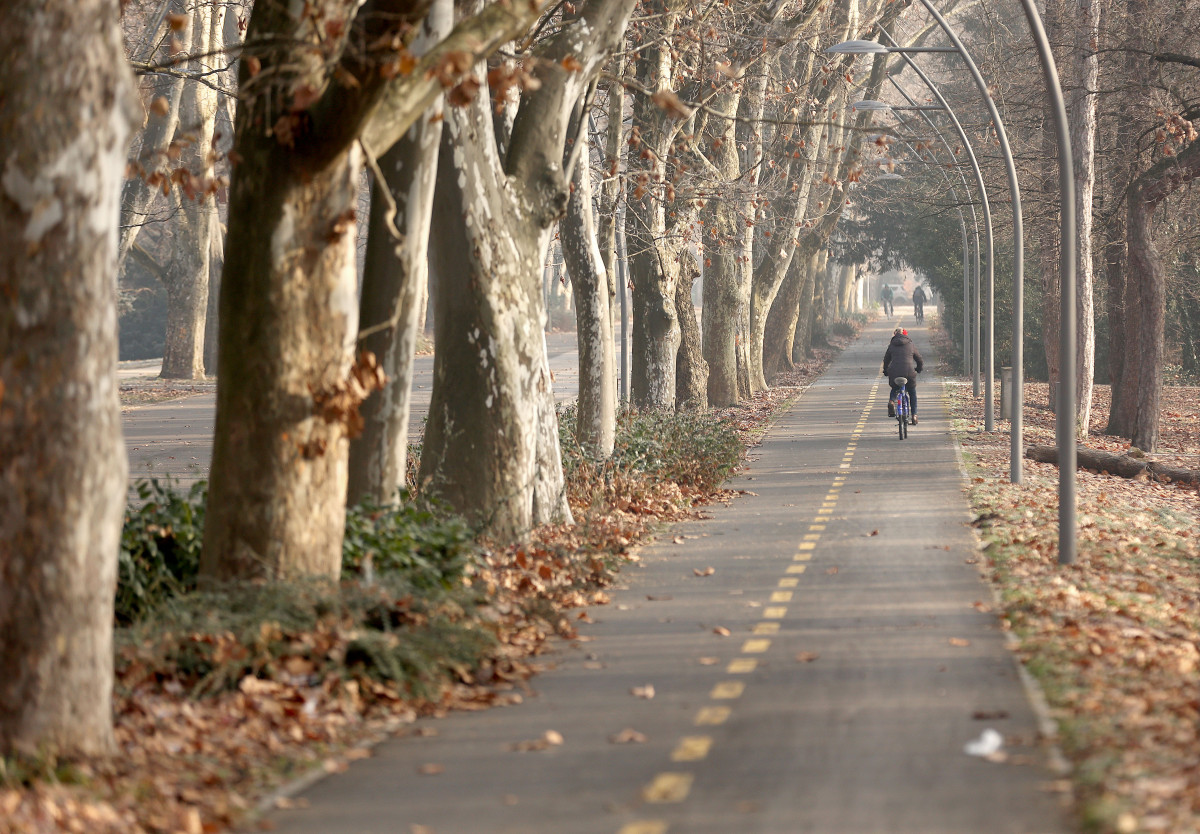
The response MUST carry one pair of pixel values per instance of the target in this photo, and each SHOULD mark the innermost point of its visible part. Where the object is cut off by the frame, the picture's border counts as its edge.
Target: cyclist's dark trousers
(887, 308)
(919, 310)
(911, 385)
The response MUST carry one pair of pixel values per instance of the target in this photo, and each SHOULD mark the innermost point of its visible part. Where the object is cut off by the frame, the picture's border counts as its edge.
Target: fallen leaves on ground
(199, 765)
(628, 736)
(1115, 638)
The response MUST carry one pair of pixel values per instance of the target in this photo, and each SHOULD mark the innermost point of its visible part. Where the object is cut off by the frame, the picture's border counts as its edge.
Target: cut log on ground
(1127, 466)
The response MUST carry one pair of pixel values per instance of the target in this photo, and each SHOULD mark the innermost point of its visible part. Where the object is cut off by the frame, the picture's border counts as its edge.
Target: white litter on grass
(988, 744)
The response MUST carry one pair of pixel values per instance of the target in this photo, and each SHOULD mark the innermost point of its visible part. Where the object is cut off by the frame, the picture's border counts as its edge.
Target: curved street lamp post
(1065, 422)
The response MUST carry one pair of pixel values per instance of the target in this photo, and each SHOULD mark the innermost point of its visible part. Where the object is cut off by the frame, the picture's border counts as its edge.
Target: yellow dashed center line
(807, 546)
(795, 568)
(781, 596)
(644, 827)
(789, 582)
(741, 666)
(766, 628)
(755, 646)
(691, 748)
(727, 690)
(668, 787)
(775, 613)
(711, 716)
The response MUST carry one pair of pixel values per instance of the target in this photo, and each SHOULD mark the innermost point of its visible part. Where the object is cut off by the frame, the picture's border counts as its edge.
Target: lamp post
(1064, 428)
(1064, 424)
(962, 222)
(870, 47)
(962, 135)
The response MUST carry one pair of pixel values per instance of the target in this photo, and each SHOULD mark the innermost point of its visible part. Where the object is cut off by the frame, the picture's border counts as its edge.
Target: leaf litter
(1114, 640)
(200, 761)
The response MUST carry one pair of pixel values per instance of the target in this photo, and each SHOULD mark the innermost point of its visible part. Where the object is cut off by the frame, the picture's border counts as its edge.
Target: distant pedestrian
(886, 296)
(902, 359)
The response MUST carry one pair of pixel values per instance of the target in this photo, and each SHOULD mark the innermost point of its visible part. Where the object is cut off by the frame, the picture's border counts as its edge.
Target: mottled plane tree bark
(491, 444)
(317, 82)
(596, 422)
(194, 202)
(66, 114)
(1135, 411)
(395, 277)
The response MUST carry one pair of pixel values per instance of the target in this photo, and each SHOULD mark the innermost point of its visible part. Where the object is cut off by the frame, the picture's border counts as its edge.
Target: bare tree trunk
(286, 401)
(491, 444)
(691, 371)
(780, 326)
(1050, 232)
(802, 336)
(212, 319)
(395, 280)
(725, 303)
(62, 461)
(597, 423)
(722, 305)
(1141, 381)
(143, 187)
(653, 266)
(1082, 115)
(196, 209)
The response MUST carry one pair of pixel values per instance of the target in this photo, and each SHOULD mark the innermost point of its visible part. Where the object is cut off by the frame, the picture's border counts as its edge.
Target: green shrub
(207, 641)
(160, 547)
(163, 535)
(848, 326)
(415, 539)
(693, 449)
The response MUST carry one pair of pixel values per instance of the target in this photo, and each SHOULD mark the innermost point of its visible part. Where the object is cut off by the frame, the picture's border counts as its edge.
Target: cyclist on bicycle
(902, 359)
(886, 296)
(919, 299)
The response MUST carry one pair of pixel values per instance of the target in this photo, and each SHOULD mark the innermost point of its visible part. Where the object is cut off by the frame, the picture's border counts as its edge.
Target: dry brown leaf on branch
(669, 102)
(721, 631)
(709, 571)
(807, 657)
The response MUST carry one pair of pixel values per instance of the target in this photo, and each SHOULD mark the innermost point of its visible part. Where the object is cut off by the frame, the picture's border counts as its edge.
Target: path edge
(1047, 726)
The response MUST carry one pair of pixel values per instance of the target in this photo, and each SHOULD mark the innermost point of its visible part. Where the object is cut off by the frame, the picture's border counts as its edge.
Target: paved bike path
(825, 677)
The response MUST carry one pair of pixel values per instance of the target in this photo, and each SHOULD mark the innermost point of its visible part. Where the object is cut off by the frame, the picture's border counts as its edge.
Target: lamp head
(857, 48)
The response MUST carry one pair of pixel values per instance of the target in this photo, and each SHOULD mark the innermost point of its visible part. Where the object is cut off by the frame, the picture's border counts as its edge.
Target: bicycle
(903, 406)
(919, 313)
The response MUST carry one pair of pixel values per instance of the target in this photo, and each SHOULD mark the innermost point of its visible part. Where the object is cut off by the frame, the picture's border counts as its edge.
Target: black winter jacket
(902, 359)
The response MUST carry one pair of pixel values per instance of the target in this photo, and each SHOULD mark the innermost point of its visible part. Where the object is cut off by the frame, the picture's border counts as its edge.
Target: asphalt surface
(825, 677)
(172, 440)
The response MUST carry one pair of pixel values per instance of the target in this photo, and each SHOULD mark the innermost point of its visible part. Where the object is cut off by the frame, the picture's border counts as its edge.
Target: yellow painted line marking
(741, 666)
(843, 466)
(807, 546)
(775, 613)
(795, 569)
(781, 596)
(691, 749)
(668, 787)
(826, 510)
(727, 690)
(789, 582)
(816, 527)
(755, 646)
(712, 716)
(644, 827)
(766, 628)
(828, 505)
(812, 537)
